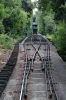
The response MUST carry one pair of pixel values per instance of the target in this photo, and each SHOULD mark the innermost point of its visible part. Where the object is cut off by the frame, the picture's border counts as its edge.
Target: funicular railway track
(37, 83)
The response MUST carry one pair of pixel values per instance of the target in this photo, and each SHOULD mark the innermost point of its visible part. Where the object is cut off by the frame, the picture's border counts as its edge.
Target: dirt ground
(4, 56)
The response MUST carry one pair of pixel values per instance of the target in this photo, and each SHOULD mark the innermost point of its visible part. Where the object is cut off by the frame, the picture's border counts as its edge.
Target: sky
(35, 9)
(34, 0)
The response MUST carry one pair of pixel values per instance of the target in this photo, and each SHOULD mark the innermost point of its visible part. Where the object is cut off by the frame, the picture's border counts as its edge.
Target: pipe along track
(8, 68)
(37, 83)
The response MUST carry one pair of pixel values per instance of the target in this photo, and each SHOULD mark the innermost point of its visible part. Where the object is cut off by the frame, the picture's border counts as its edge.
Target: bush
(1, 28)
(59, 38)
(6, 41)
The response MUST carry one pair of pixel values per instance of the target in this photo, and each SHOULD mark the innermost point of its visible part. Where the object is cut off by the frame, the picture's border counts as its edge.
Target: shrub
(6, 41)
(59, 38)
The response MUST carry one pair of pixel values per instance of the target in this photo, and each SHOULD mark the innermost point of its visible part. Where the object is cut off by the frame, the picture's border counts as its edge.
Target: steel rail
(23, 82)
(36, 51)
(49, 81)
(48, 76)
(26, 79)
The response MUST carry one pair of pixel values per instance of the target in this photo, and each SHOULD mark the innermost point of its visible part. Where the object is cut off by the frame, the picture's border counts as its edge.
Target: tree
(27, 5)
(43, 4)
(14, 14)
(58, 7)
(13, 18)
(50, 25)
(41, 23)
(2, 14)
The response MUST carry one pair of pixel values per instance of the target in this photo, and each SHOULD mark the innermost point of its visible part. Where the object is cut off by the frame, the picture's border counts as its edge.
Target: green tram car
(34, 28)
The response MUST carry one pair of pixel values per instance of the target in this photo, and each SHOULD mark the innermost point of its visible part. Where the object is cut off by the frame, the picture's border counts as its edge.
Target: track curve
(37, 80)
(37, 83)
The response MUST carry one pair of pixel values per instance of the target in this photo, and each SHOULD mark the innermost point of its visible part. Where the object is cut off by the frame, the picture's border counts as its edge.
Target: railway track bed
(36, 88)
(32, 78)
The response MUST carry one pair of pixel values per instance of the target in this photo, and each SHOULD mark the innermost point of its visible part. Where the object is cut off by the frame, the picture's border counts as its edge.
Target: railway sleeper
(4, 75)
(1, 90)
(14, 57)
(11, 64)
(8, 68)
(3, 81)
(3, 78)
(5, 72)
(2, 85)
(14, 53)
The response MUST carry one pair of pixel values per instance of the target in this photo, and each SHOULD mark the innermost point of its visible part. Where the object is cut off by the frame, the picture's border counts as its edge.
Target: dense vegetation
(51, 19)
(15, 16)
(15, 20)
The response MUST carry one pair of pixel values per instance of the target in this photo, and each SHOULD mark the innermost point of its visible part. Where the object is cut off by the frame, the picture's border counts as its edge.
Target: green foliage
(58, 6)
(27, 6)
(51, 37)
(53, 12)
(60, 35)
(59, 38)
(46, 23)
(50, 25)
(63, 6)
(19, 20)
(2, 11)
(13, 18)
(1, 28)
(6, 41)
(41, 23)
(43, 4)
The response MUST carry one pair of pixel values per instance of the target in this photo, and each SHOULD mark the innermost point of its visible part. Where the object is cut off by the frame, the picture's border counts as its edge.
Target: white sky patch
(34, 0)
(35, 10)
